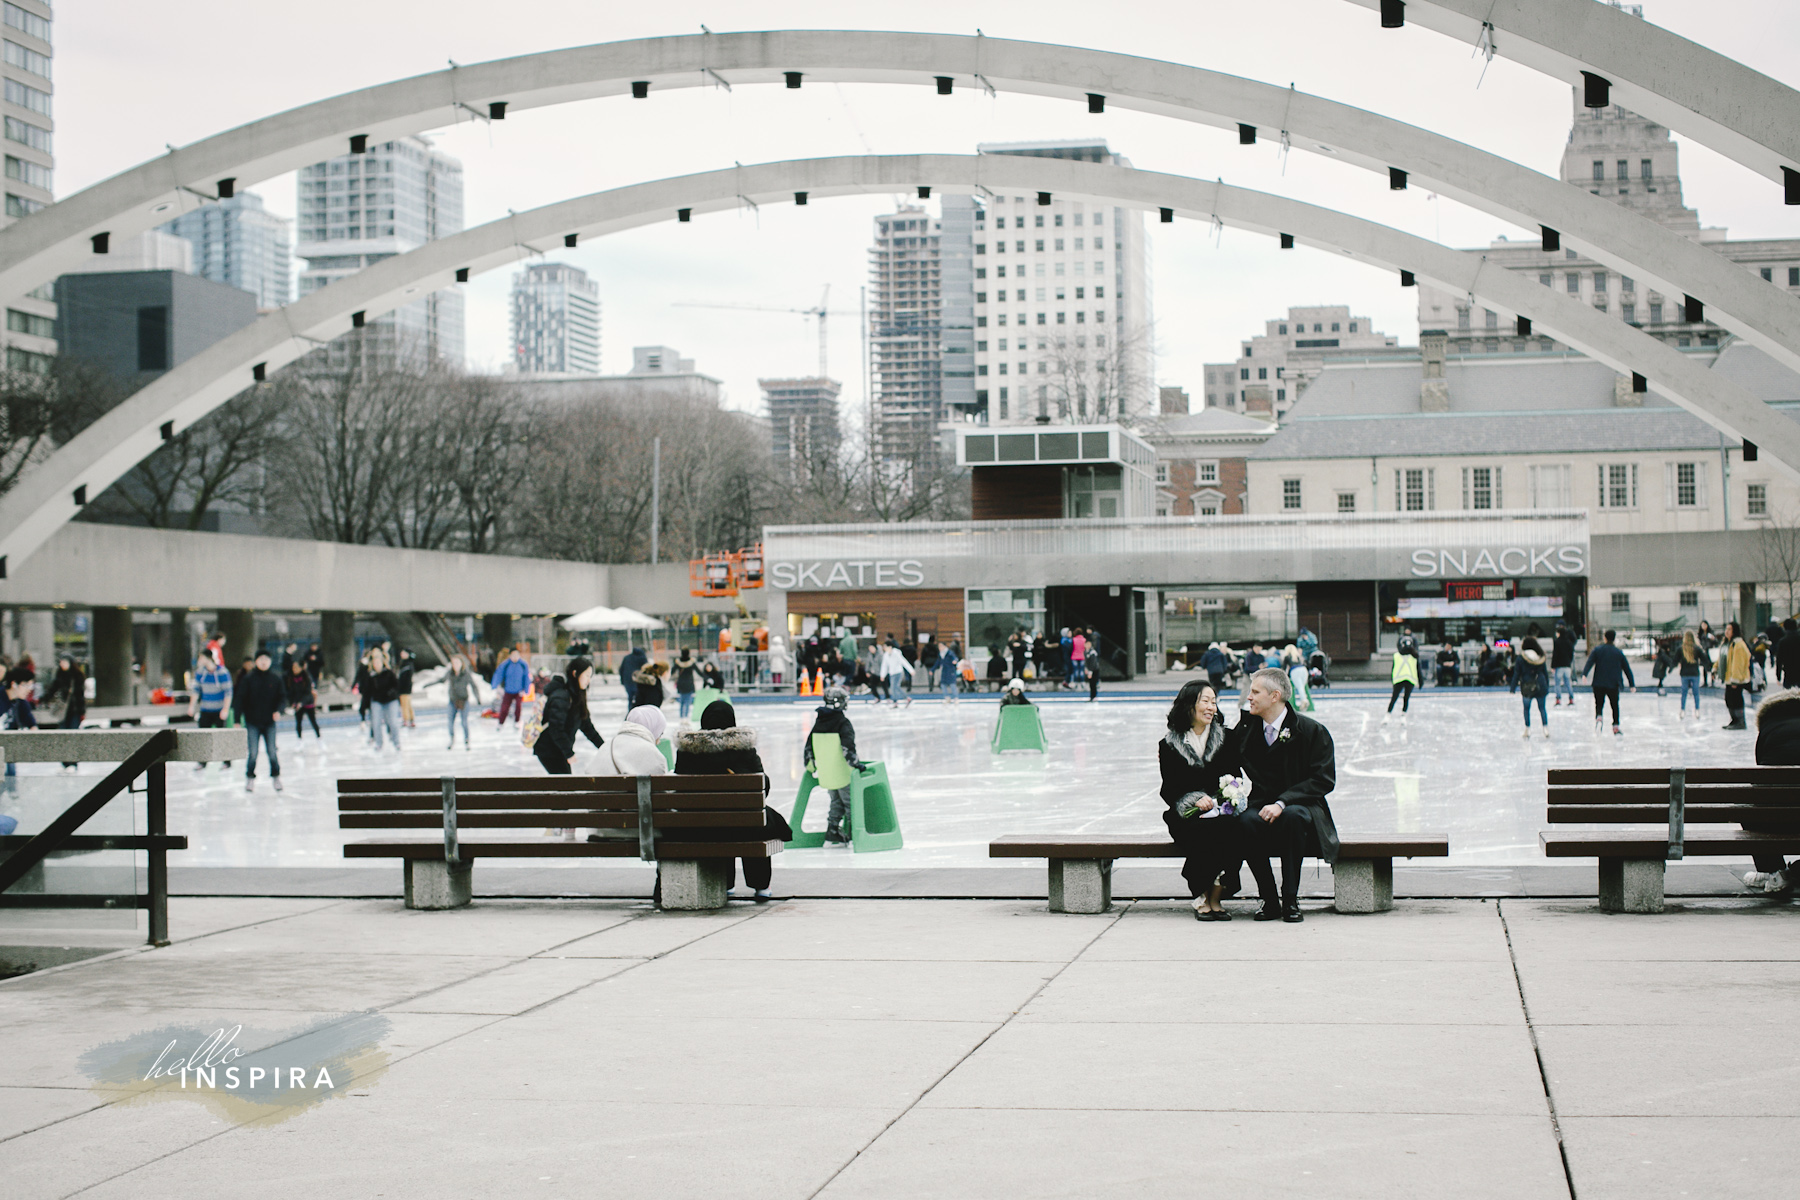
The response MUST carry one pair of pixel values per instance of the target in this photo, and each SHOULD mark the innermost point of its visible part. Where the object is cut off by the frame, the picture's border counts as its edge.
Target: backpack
(534, 725)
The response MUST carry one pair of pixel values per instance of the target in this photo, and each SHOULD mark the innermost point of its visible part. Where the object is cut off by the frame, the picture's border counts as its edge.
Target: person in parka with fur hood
(719, 747)
(1193, 755)
(1531, 679)
(1777, 745)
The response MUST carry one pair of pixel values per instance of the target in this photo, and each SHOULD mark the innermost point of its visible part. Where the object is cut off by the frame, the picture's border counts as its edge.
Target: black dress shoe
(1291, 913)
(1268, 912)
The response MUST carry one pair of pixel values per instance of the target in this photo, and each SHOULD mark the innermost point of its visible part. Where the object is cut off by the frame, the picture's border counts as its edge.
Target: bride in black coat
(1193, 755)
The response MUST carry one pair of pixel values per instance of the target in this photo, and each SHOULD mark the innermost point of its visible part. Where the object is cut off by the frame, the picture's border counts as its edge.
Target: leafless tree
(218, 460)
(1778, 552)
(28, 423)
(1101, 375)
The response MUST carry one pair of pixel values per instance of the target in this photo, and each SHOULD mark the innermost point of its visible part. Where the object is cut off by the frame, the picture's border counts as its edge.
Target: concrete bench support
(1633, 885)
(1363, 885)
(432, 883)
(695, 883)
(1080, 885)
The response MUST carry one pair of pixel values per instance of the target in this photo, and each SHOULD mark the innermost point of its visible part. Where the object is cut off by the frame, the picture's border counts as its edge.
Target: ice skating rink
(1457, 764)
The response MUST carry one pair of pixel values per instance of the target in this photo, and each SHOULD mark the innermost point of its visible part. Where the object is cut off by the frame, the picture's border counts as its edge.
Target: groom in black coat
(1292, 767)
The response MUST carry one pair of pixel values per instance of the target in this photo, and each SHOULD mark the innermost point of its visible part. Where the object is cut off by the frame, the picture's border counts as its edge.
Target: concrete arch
(96, 458)
(1717, 101)
(43, 245)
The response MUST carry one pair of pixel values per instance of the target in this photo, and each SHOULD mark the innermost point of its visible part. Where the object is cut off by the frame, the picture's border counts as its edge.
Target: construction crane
(820, 310)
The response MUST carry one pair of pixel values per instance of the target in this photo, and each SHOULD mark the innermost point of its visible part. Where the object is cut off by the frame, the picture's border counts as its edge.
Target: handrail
(51, 838)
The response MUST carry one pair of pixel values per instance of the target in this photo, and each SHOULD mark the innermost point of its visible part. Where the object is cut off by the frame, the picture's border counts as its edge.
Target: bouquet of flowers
(1233, 798)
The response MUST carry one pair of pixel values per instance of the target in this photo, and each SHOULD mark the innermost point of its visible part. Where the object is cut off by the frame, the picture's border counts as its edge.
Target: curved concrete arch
(1717, 101)
(108, 448)
(42, 245)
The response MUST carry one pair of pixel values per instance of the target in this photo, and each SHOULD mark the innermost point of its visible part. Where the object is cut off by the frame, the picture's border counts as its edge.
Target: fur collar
(1532, 657)
(1215, 738)
(714, 741)
(1780, 698)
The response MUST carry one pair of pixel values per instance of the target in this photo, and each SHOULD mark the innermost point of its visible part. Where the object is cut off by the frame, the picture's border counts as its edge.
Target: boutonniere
(1284, 736)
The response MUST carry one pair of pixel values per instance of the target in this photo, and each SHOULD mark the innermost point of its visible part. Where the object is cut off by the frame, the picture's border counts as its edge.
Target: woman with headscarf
(633, 749)
(720, 747)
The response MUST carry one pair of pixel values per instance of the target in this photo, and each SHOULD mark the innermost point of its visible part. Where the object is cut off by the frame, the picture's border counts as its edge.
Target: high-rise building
(555, 320)
(1061, 298)
(905, 323)
(137, 324)
(803, 422)
(358, 209)
(30, 336)
(238, 242)
(1278, 363)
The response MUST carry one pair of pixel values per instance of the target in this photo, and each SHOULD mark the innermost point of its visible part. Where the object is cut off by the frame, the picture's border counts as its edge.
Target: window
(1346, 502)
(153, 338)
(1059, 241)
(1624, 170)
(1549, 486)
(1655, 314)
(1353, 327)
(1794, 276)
(1627, 284)
(1209, 510)
(1317, 328)
(1599, 281)
(25, 133)
(27, 97)
(1281, 393)
(1290, 493)
(27, 60)
(28, 172)
(24, 322)
(1281, 329)
(21, 206)
(1644, 170)
(1262, 372)
(1629, 313)
(1685, 485)
(1462, 318)
(1547, 279)
(27, 22)
(1243, 372)
(1621, 602)
(1415, 489)
(1492, 318)
(27, 360)
(1599, 171)
(1572, 281)
(1618, 485)
(1481, 487)
(1334, 327)
(1768, 273)
(1757, 502)
(1162, 472)
(1206, 472)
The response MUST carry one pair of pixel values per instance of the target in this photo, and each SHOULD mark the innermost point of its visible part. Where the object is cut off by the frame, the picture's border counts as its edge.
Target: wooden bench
(1632, 862)
(1081, 868)
(691, 825)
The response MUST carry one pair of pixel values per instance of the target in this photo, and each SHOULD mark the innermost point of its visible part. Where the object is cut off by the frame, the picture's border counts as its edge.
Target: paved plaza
(926, 1048)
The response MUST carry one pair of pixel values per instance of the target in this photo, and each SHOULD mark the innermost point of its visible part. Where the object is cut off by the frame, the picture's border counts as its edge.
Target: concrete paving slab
(26, 1108)
(1744, 995)
(1746, 930)
(1001, 1154)
(513, 928)
(1381, 992)
(1696, 1070)
(1468, 1069)
(994, 930)
(651, 934)
(92, 1147)
(1629, 1158)
(517, 986)
(1438, 931)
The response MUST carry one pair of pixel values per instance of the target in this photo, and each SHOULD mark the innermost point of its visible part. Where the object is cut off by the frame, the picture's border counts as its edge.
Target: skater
(302, 697)
(512, 679)
(70, 679)
(1215, 664)
(408, 666)
(1404, 676)
(212, 693)
(1192, 756)
(1014, 694)
(461, 684)
(629, 666)
(1078, 651)
(565, 715)
(1660, 666)
(1562, 663)
(684, 670)
(1092, 669)
(949, 669)
(719, 747)
(258, 699)
(383, 695)
(649, 682)
(1687, 665)
(1734, 673)
(896, 671)
(1531, 679)
(1606, 670)
(830, 718)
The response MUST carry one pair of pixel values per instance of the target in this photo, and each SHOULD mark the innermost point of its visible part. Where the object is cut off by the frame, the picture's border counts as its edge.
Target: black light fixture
(1749, 451)
(1393, 13)
(228, 187)
(1522, 326)
(496, 110)
(1639, 385)
(569, 240)
(1043, 199)
(640, 89)
(1596, 91)
(924, 191)
(1096, 102)
(81, 496)
(1246, 134)
(1396, 179)
(793, 79)
(1287, 241)
(358, 319)
(167, 429)
(260, 372)
(1790, 181)
(1692, 311)
(799, 197)
(1168, 215)
(102, 243)
(2, 566)
(684, 214)
(944, 84)
(1552, 239)
(462, 274)
(1407, 280)
(359, 143)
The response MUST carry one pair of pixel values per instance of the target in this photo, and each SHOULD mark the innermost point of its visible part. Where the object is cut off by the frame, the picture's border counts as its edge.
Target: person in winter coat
(512, 679)
(719, 747)
(649, 681)
(1562, 663)
(1449, 666)
(1078, 652)
(404, 671)
(565, 715)
(929, 653)
(685, 670)
(257, 699)
(949, 668)
(1708, 640)
(1787, 654)
(212, 695)
(17, 716)
(1404, 676)
(1777, 745)
(1662, 665)
(1016, 646)
(382, 690)
(1216, 665)
(634, 749)
(831, 718)
(711, 676)
(1407, 643)
(1192, 756)
(1308, 645)
(1687, 665)
(1734, 673)
(461, 682)
(896, 671)
(778, 660)
(629, 666)
(1607, 670)
(1292, 766)
(1531, 679)
(1014, 694)
(70, 681)
(302, 697)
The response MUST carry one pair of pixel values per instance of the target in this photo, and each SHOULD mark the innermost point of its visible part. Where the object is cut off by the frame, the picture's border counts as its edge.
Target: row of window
(25, 59)
(1042, 294)
(1300, 327)
(1793, 275)
(1061, 318)
(1547, 486)
(28, 172)
(1624, 170)
(31, 323)
(1038, 221)
(1044, 343)
(26, 96)
(1019, 247)
(27, 134)
(21, 206)
(1205, 471)
(1080, 269)
(26, 22)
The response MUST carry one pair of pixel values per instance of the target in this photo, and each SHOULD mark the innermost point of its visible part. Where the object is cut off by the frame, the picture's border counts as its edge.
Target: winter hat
(651, 718)
(719, 715)
(836, 697)
(1017, 685)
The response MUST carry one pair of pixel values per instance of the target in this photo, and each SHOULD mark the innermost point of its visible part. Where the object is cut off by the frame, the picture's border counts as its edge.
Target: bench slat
(574, 818)
(1776, 797)
(1020, 845)
(621, 784)
(1766, 776)
(1631, 845)
(1695, 814)
(693, 802)
(552, 848)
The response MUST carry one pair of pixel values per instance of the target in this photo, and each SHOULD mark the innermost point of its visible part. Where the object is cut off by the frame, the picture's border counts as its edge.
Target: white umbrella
(631, 618)
(599, 617)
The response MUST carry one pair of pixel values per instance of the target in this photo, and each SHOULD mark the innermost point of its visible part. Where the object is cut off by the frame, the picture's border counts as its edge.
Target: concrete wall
(97, 316)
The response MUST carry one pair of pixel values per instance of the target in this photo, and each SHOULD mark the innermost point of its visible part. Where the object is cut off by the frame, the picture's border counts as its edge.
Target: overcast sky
(133, 77)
